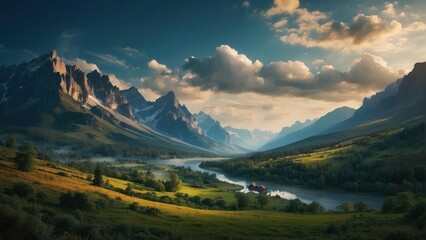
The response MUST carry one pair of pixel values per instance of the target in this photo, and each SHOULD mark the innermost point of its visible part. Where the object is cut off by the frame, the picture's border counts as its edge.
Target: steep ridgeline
(251, 140)
(167, 115)
(323, 123)
(400, 103)
(212, 128)
(31, 88)
(60, 101)
(108, 94)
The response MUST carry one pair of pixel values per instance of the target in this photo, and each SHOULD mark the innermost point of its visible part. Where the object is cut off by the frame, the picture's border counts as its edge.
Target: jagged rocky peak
(134, 97)
(169, 98)
(108, 94)
(57, 63)
(77, 85)
(413, 85)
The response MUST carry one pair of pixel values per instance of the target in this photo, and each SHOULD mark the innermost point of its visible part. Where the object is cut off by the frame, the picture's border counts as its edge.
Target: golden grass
(189, 222)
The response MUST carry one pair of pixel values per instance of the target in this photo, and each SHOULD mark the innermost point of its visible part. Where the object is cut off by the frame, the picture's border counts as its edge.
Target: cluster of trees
(146, 179)
(197, 178)
(183, 199)
(28, 214)
(297, 206)
(346, 169)
(414, 207)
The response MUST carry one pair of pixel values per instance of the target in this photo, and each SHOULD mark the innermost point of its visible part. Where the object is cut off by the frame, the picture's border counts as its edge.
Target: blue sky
(287, 59)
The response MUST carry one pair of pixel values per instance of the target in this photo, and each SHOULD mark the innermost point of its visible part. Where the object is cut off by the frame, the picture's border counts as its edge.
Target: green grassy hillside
(107, 214)
(386, 162)
(70, 124)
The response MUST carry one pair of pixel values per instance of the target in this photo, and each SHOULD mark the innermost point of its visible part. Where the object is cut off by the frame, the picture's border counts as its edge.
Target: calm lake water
(328, 199)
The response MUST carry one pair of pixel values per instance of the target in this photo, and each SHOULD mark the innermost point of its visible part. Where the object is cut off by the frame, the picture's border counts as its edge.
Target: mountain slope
(45, 98)
(393, 108)
(286, 131)
(325, 122)
(249, 139)
(167, 115)
(212, 128)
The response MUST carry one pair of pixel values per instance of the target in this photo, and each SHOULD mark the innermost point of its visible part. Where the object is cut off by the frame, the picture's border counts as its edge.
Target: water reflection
(328, 199)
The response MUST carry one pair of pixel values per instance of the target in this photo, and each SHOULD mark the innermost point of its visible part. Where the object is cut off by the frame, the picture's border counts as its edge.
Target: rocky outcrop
(109, 94)
(413, 85)
(34, 87)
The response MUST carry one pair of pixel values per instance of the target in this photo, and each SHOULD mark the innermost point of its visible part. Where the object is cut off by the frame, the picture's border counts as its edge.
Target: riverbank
(329, 199)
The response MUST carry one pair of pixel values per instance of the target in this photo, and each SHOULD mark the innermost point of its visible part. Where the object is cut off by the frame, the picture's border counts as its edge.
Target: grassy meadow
(180, 222)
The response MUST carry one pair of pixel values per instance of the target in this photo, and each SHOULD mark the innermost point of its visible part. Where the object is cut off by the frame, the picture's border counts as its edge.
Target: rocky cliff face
(406, 97)
(413, 85)
(108, 94)
(77, 85)
(134, 97)
(31, 87)
(167, 115)
(34, 87)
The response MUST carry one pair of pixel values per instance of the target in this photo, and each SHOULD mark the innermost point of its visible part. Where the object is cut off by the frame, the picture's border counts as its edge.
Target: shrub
(22, 190)
(18, 224)
(97, 180)
(151, 211)
(41, 196)
(221, 203)
(63, 223)
(360, 207)
(242, 200)
(134, 206)
(315, 207)
(24, 158)
(345, 207)
(402, 202)
(75, 200)
(63, 174)
(208, 202)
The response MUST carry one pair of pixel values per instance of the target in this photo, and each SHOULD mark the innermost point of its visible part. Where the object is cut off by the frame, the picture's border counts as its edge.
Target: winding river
(328, 198)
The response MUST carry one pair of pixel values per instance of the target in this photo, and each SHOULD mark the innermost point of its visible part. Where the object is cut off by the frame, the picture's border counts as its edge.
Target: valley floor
(190, 223)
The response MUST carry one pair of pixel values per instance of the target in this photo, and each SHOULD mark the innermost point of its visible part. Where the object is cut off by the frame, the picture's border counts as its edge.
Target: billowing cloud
(291, 73)
(83, 65)
(371, 72)
(363, 31)
(228, 71)
(164, 80)
(282, 6)
(390, 10)
(231, 72)
(159, 68)
(415, 27)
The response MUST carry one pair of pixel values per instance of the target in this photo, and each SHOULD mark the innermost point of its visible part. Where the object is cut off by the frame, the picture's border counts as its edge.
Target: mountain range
(400, 104)
(46, 93)
(47, 96)
(249, 139)
(312, 128)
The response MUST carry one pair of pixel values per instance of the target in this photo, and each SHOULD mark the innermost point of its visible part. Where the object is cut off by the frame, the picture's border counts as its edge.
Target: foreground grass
(193, 223)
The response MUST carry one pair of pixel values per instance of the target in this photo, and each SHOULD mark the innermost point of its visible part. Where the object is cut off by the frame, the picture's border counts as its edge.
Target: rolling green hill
(34, 206)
